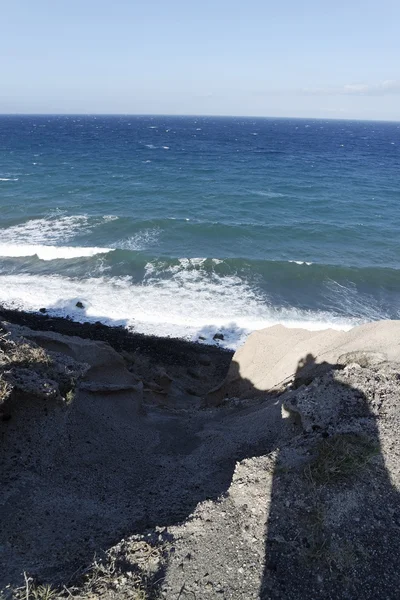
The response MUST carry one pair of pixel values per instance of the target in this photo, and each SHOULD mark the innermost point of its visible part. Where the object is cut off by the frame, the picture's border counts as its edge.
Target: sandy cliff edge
(272, 358)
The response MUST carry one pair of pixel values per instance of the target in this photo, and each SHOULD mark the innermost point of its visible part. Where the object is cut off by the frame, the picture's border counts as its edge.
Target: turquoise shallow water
(184, 226)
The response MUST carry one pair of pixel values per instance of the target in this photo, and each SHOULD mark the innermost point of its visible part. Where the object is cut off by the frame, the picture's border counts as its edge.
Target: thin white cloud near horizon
(382, 88)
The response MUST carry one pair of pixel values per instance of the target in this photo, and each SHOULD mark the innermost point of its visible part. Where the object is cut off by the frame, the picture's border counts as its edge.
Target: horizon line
(202, 116)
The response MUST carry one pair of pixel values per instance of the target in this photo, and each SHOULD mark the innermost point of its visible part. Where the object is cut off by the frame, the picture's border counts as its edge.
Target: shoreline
(167, 350)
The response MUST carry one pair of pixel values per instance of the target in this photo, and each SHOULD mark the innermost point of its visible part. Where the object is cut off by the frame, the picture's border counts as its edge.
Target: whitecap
(110, 218)
(49, 252)
(267, 194)
(53, 230)
(48, 230)
(191, 262)
(8, 178)
(140, 240)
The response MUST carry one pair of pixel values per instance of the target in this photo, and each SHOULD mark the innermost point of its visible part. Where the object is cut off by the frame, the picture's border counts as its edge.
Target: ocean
(188, 226)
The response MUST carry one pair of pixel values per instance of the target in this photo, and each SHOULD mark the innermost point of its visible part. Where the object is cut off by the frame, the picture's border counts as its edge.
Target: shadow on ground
(333, 522)
(78, 478)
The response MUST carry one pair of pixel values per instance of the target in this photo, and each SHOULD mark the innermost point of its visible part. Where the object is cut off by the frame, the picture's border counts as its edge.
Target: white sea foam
(49, 252)
(45, 231)
(189, 303)
(267, 194)
(47, 238)
(8, 178)
(140, 241)
(192, 262)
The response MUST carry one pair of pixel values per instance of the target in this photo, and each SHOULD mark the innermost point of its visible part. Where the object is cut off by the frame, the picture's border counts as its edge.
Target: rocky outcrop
(104, 364)
(26, 368)
(54, 367)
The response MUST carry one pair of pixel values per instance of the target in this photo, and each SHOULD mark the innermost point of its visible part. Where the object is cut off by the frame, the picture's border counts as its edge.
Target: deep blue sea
(185, 226)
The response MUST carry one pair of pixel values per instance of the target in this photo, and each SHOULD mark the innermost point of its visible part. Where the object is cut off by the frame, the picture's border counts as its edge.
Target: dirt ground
(135, 486)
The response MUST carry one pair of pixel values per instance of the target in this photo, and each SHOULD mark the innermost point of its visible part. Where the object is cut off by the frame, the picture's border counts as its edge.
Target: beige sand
(271, 358)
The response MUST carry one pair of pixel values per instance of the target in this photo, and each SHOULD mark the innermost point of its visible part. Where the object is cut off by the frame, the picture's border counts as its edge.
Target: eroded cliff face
(274, 493)
(273, 359)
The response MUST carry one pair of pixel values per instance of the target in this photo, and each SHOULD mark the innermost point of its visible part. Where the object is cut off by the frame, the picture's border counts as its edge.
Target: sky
(280, 58)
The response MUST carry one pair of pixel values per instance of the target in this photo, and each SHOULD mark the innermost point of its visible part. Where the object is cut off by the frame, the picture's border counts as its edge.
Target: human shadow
(333, 521)
(78, 478)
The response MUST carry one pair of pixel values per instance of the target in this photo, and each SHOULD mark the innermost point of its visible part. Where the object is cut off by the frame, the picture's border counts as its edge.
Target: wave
(49, 230)
(57, 230)
(39, 237)
(301, 271)
(52, 229)
(50, 238)
(128, 255)
(49, 252)
(267, 194)
(300, 262)
(46, 237)
(140, 240)
(8, 178)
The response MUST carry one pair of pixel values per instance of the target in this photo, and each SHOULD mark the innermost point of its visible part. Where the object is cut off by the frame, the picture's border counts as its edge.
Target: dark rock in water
(218, 336)
(43, 310)
(201, 337)
(79, 305)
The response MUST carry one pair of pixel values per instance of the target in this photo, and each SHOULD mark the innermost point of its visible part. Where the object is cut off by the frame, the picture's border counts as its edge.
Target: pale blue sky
(289, 58)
